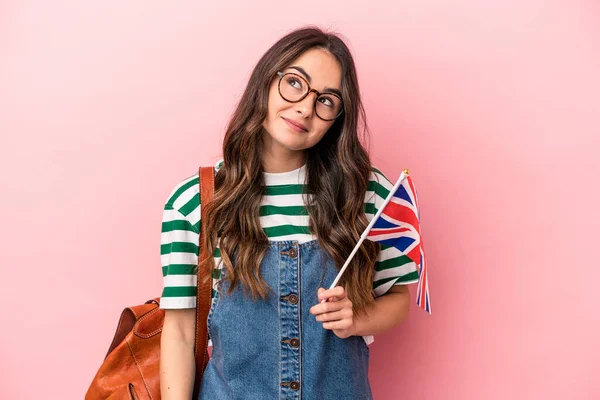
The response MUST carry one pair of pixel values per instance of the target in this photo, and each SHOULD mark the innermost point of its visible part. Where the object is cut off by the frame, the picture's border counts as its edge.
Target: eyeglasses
(294, 88)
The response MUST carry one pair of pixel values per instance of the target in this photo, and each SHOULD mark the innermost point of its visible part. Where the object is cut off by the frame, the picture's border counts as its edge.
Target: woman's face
(281, 138)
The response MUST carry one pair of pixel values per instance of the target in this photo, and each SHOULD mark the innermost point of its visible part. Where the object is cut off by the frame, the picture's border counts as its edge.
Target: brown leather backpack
(131, 367)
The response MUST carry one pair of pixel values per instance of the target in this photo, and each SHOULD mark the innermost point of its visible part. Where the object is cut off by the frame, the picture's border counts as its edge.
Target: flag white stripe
(404, 203)
(399, 224)
(394, 235)
(410, 195)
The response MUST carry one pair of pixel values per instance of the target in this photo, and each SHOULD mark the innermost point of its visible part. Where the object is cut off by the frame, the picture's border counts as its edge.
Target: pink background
(493, 105)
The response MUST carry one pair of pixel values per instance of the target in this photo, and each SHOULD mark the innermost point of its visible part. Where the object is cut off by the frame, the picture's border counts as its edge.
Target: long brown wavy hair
(338, 169)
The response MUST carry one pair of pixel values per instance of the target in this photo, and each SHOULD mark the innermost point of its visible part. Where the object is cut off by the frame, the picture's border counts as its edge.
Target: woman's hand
(336, 313)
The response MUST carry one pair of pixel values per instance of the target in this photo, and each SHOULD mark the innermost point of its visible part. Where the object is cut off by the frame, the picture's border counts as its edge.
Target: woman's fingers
(334, 310)
(338, 325)
(335, 315)
(330, 306)
(337, 292)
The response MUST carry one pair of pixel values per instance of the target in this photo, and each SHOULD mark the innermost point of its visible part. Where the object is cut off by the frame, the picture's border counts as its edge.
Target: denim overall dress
(274, 348)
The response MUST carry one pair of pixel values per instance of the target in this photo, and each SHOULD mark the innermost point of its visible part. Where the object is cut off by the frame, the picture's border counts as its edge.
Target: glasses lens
(328, 106)
(293, 87)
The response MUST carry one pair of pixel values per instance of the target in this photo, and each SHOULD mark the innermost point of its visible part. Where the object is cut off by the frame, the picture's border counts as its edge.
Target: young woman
(293, 192)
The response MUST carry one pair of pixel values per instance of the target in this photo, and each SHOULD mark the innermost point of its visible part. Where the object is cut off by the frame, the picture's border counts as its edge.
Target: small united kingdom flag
(397, 224)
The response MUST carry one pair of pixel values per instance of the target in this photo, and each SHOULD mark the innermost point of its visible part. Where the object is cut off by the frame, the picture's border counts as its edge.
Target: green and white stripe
(283, 216)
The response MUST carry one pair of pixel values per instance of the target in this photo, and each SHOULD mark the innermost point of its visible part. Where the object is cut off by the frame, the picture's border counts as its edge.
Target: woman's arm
(337, 315)
(177, 363)
(390, 310)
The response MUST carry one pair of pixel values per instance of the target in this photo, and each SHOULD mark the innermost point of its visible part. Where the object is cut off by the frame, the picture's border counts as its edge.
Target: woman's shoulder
(378, 178)
(186, 193)
(378, 188)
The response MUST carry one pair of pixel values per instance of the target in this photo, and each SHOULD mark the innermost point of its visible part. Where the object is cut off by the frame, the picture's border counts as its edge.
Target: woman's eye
(293, 82)
(326, 101)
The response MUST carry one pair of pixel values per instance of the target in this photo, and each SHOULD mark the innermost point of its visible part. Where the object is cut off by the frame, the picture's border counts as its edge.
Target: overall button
(292, 298)
(294, 342)
(294, 385)
(293, 253)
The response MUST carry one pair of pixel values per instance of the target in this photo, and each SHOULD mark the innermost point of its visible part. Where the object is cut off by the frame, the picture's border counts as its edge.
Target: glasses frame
(282, 74)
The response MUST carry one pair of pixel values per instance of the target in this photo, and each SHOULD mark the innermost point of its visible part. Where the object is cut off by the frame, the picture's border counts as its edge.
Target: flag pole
(365, 233)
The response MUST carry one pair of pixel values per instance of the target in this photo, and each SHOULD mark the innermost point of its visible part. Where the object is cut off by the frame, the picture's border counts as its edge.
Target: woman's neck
(275, 164)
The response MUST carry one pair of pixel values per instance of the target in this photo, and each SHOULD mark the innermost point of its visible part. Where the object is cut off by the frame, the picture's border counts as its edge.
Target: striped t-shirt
(283, 216)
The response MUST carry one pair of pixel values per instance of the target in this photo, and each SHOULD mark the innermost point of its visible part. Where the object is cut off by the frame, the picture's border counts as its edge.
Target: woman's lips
(294, 126)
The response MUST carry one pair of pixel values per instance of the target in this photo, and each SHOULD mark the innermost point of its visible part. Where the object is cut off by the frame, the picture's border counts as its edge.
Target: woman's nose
(307, 105)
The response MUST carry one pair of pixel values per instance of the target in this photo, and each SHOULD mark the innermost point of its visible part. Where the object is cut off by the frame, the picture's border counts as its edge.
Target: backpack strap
(206, 175)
